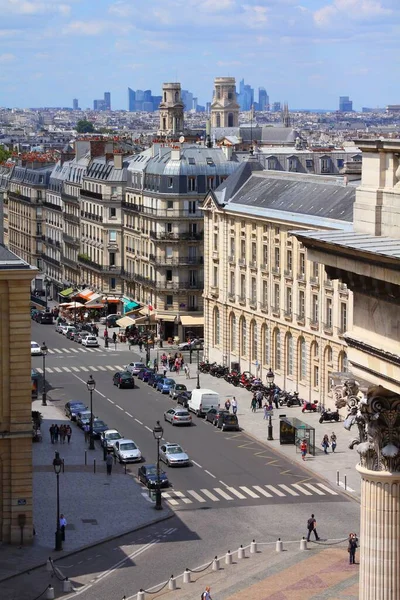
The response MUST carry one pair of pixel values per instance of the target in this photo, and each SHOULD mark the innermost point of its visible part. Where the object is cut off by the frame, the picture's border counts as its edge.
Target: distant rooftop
(10, 261)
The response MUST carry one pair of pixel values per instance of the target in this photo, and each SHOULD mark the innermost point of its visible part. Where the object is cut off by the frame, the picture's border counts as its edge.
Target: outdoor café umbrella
(64, 304)
(75, 305)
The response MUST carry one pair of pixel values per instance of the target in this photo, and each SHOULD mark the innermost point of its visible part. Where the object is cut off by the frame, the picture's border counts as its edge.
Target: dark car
(71, 333)
(123, 379)
(156, 379)
(72, 408)
(147, 474)
(213, 414)
(144, 374)
(45, 318)
(228, 422)
(184, 398)
(98, 427)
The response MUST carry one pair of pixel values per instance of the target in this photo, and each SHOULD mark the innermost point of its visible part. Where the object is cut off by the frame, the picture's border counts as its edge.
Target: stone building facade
(171, 110)
(265, 303)
(224, 105)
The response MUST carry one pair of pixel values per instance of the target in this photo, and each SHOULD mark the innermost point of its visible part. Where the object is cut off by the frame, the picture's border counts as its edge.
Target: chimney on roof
(118, 161)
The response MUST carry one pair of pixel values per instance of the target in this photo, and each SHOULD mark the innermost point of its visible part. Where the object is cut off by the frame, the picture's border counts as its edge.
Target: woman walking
(333, 441)
(325, 443)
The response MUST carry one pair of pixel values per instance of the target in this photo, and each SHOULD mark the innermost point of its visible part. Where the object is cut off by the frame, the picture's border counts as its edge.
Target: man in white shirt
(206, 594)
(234, 405)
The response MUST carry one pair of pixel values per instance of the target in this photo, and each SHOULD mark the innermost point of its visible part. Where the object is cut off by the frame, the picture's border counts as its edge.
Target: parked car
(177, 389)
(123, 380)
(72, 408)
(78, 337)
(44, 317)
(147, 474)
(98, 427)
(67, 328)
(212, 415)
(178, 416)
(59, 327)
(108, 438)
(183, 398)
(71, 333)
(90, 341)
(135, 367)
(126, 451)
(35, 349)
(173, 455)
(83, 417)
(164, 385)
(144, 374)
(196, 344)
(228, 422)
(154, 378)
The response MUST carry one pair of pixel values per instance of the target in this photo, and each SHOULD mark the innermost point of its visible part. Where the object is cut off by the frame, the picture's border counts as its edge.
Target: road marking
(148, 428)
(324, 487)
(285, 472)
(137, 421)
(75, 369)
(118, 406)
(314, 489)
(288, 489)
(118, 368)
(275, 490)
(261, 454)
(208, 473)
(101, 368)
(210, 495)
(50, 351)
(57, 350)
(301, 489)
(67, 369)
(112, 401)
(82, 350)
(110, 368)
(169, 499)
(126, 412)
(349, 489)
(247, 444)
(222, 483)
(249, 491)
(89, 349)
(223, 494)
(66, 350)
(92, 368)
(235, 492)
(197, 464)
(271, 462)
(195, 495)
(100, 394)
(39, 370)
(57, 369)
(183, 498)
(84, 369)
(262, 491)
(75, 350)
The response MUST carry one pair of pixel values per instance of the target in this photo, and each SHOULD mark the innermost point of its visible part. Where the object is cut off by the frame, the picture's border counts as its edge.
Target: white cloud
(229, 63)
(121, 9)
(33, 7)
(7, 58)
(255, 16)
(94, 28)
(359, 10)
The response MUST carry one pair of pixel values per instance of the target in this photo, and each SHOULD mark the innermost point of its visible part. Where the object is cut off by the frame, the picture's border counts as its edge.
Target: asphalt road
(235, 490)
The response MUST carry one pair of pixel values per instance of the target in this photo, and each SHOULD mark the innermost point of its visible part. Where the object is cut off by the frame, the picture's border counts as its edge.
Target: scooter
(293, 399)
(329, 415)
(310, 406)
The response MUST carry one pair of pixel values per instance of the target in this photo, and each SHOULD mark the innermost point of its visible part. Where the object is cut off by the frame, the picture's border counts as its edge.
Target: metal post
(270, 429)
(158, 505)
(44, 396)
(91, 442)
(57, 465)
(198, 370)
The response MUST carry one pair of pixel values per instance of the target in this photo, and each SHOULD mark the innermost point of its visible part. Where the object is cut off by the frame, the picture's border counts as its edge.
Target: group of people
(352, 539)
(329, 441)
(60, 433)
(233, 404)
(257, 402)
(106, 336)
(174, 362)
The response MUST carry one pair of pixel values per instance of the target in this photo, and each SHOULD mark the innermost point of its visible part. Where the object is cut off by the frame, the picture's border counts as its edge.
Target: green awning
(131, 306)
(66, 293)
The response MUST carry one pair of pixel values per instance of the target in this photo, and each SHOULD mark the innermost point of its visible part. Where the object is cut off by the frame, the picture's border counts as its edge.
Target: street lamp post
(198, 370)
(271, 385)
(46, 290)
(57, 466)
(91, 386)
(43, 349)
(158, 433)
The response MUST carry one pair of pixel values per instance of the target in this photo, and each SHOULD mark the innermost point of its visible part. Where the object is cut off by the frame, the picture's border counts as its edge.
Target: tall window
(314, 308)
(216, 327)
(277, 257)
(302, 301)
(254, 340)
(289, 354)
(253, 290)
(215, 276)
(328, 354)
(243, 249)
(242, 287)
(192, 184)
(232, 283)
(315, 270)
(265, 254)
(343, 317)
(343, 362)
(302, 264)
(277, 296)
(289, 261)
(232, 330)
(277, 349)
(254, 252)
(232, 247)
(302, 359)
(328, 315)
(316, 376)
(289, 301)
(243, 337)
(265, 345)
(265, 292)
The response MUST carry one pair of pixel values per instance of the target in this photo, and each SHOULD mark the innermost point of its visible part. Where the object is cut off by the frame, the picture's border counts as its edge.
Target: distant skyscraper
(246, 96)
(345, 104)
(107, 100)
(131, 100)
(276, 107)
(263, 99)
(75, 104)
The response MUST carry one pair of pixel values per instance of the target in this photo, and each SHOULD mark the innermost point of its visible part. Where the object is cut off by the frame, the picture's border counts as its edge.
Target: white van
(202, 400)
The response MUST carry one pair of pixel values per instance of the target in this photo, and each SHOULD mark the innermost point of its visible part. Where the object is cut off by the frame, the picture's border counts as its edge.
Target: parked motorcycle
(310, 406)
(294, 399)
(329, 415)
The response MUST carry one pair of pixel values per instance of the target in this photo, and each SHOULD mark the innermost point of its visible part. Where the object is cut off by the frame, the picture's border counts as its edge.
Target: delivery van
(202, 400)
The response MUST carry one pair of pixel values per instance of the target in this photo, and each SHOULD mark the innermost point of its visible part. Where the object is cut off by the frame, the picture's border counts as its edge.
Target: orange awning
(85, 294)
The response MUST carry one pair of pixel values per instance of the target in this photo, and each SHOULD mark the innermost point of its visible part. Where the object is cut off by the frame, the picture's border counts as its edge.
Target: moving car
(59, 327)
(202, 400)
(108, 438)
(177, 389)
(72, 408)
(83, 418)
(45, 318)
(212, 415)
(164, 385)
(135, 367)
(228, 422)
(154, 379)
(123, 380)
(35, 349)
(147, 474)
(90, 341)
(144, 374)
(196, 344)
(177, 416)
(173, 455)
(71, 333)
(184, 398)
(78, 337)
(67, 328)
(126, 451)
(98, 427)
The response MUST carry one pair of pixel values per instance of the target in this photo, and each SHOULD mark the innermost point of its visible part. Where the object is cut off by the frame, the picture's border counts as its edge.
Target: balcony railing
(231, 259)
(71, 218)
(264, 267)
(328, 327)
(301, 319)
(69, 198)
(253, 264)
(253, 302)
(288, 273)
(314, 280)
(276, 311)
(69, 239)
(52, 206)
(164, 236)
(162, 285)
(264, 307)
(22, 198)
(161, 213)
(301, 276)
(231, 296)
(314, 323)
(85, 260)
(70, 263)
(178, 260)
(242, 299)
(288, 314)
(242, 262)
(276, 270)
(91, 216)
(51, 260)
(90, 194)
(328, 283)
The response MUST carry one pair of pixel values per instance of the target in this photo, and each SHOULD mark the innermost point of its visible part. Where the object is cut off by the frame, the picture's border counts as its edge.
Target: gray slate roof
(10, 261)
(194, 160)
(234, 182)
(362, 242)
(256, 133)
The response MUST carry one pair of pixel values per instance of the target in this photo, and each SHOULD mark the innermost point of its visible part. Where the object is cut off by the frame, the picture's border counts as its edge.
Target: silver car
(178, 416)
(135, 367)
(126, 451)
(109, 437)
(173, 455)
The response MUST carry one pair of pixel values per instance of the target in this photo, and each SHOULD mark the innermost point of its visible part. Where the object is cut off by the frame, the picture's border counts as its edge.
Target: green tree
(4, 154)
(84, 126)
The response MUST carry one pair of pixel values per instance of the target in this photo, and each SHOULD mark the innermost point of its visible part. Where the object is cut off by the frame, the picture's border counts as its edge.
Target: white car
(67, 328)
(109, 438)
(90, 341)
(135, 367)
(35, 349)
(126, 451)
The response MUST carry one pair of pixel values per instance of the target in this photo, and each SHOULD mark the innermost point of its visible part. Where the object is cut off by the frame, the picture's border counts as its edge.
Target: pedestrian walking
(114, 338)
(62, 434)
(234, 405)
(68, 431)
(303, 449)
(86, 430)
(105, 333)
(51, 430)
(109, 463)
(253, 403)
(325, 443)
(165, 371)
(187, 371)
(352, 547)
(312, 527)
(276, 399)
(260, 397)
(63, 524)
(265, 410)
(56, 433)
(140, 345)
(227, 404)
(206, 594)
(333, 441)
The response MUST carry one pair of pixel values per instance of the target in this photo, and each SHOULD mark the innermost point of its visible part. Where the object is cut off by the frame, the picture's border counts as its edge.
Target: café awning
(125, 322)
(85, 294)
(189, 321)
(66, 293)
(165, 316)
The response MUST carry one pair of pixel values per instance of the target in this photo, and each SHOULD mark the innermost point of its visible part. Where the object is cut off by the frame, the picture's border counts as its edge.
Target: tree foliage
(84, 126)
(4, 154)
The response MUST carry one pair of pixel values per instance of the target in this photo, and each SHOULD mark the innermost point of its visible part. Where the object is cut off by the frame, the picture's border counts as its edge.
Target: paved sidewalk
(96, 506)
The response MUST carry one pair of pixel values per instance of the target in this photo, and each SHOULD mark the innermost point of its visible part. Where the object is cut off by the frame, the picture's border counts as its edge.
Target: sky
(304, 52)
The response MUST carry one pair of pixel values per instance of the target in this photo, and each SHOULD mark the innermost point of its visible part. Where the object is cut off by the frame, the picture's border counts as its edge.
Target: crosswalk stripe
(169, 499)
(50, 351)
(67, 369)
(249, 491)
(258, 488)
(99, 349)
(75, 369)
(195, 495)
(57, 350)
(223, 494)
(287, 489)
(57, 369)
(92, 368)
(75, 350)
(301, 489)
(89, 349)
(82, 349)
(118, 368)
(110, 368)
(49, 370)
(66, 350)
(183, 497)
(275, 490)
(324, 487)
(101, 368)
(314, 489)
(236, 493)
(210, 495)
(39, 370)
(84, 369)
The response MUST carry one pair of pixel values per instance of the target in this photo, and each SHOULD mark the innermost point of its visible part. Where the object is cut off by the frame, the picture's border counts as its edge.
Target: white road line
(193, 461)
(118, 368)
(118, 406)
(84, 369)
(75, 369)
(57, 350)
(112, 401)
(82, 349)
(208, 473)
(222, 483)
(101, 368)
(89, 349)
(49, 370)
(92, 368)
(312, 487)
(66, 350)
(169, 499)
(324, 487)
(39, 370)
(67, 369)
(210, 495)
(249, 491)
(110, 368)
(137, 421)
(57, 369)
(100, 394)
(287, 489)
(75, 350)
(148, 428)
(301, 489)
(129, 414)
(223, 494)
(275, 490)
(99, 349)
(183, 497)
(258, 488)
(235, 492)
(50, 351)
(195, 495)
(349, 489)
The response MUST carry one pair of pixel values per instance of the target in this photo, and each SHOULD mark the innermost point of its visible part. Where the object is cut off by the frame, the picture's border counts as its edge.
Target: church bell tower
(171, 110)
(224, 106)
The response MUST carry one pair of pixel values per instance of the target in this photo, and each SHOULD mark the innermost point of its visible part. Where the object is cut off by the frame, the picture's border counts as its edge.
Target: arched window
(328, 355)
(277, 350)
(315, 350)
(254, 340)
(343, 362)
(230, 119)
(302, 357)
(315, 370)
(216, 327)
(243, 337)
(232, 332)
(176, 96)
(289, 354)
(217, 120)
(265, 345)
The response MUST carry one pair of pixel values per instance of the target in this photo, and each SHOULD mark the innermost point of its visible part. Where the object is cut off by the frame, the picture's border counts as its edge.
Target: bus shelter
(293, 431)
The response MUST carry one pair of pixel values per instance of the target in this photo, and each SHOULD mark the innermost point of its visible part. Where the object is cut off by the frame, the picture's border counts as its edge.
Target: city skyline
(298, 53)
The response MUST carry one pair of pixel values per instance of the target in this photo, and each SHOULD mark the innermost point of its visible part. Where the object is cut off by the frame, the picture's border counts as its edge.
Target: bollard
(253, 547)
(345, 482)
(140, 595)
(279, 545)
(186, 576)
(215, 565)
(50, 593)
(67, 585)
(94, 466)
(63, 466)
(303, 544)
(337, 478)
(85, 457)
(125, 468)
(241, 552)
(228, 558)
(172, 583)
(49, 566)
